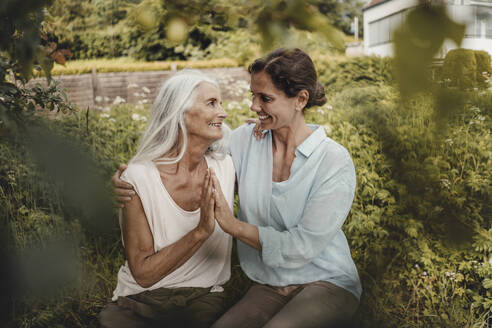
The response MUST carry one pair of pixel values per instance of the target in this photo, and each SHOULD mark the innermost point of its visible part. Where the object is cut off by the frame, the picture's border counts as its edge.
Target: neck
(292, 135)
(192, 157)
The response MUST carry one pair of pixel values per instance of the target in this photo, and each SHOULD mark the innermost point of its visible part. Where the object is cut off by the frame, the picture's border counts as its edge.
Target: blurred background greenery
(420, 227)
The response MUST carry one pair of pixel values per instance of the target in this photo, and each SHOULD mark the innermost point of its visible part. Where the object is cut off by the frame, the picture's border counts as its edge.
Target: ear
(302, 99)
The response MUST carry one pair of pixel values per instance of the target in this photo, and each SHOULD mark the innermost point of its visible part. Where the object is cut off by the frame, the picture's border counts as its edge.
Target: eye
(211, 103)
(265, 98)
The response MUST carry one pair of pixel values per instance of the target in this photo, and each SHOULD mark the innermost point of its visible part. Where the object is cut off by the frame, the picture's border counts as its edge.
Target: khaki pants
(162, 307)
(318, 305)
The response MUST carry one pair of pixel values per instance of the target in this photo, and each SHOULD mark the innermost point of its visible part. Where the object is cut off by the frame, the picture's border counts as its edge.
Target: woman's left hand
(223, 213)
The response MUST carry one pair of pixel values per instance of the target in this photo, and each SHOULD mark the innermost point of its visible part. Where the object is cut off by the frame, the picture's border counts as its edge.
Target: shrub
(339, 73)
(467, 69)
(484, 68)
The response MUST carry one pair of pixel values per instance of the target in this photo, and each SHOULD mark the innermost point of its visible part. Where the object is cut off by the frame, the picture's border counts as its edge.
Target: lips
(215, 124)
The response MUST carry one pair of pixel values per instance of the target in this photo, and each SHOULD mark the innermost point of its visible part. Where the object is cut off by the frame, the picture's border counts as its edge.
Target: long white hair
(175, 97)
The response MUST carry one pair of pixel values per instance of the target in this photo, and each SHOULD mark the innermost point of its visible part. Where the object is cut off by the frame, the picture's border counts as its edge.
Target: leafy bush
(467, 69)
(339, 73)
(484, 68)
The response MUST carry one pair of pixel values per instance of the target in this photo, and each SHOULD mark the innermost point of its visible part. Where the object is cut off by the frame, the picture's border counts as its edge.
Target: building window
(381, 30)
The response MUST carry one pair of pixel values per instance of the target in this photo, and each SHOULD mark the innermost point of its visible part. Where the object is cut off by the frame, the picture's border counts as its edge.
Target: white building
(381, 17)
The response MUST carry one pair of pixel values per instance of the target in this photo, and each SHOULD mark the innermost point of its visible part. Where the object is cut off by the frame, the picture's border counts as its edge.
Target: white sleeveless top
(210, 266)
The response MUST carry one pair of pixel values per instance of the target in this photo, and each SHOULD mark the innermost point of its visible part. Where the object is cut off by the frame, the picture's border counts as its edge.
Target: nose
(255, 107)
(222, 112)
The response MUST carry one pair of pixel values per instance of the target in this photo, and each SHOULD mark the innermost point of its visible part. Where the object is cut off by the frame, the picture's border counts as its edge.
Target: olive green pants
(162, 307)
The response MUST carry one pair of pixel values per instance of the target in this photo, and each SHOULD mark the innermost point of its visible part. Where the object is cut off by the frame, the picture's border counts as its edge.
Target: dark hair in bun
(292, 70)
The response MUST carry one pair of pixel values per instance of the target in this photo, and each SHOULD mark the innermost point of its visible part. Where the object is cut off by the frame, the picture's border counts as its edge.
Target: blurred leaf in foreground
(417, 42)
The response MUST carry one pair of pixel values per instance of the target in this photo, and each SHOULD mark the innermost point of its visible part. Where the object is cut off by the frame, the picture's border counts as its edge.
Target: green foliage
(460, 67)
(339, 73)
(172, 30)
(484, 68)
(467, 69)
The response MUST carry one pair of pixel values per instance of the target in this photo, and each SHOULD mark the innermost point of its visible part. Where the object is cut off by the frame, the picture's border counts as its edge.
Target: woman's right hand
(258, 131)
(207, 203)
(122, 190)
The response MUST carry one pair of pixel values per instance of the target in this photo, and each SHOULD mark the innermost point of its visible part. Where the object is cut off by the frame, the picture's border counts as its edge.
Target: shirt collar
(309, 145)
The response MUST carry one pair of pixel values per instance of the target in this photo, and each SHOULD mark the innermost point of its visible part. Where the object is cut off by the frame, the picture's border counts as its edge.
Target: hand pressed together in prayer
(223, 214)
(207, 222)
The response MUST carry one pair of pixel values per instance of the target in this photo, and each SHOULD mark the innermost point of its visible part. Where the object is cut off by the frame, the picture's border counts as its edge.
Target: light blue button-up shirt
(300, 219)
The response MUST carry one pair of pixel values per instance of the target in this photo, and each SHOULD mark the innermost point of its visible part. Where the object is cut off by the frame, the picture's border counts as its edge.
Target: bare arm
(147, 266)
(245, 232)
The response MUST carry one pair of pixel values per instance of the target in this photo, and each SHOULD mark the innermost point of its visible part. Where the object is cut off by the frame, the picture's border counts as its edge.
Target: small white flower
(329, 107)
(132, 85)
(118, 100)
(106, 98)
(320, 111)
(98, 99)
(416, 266)
(449, 141)
(146, 90)
(448, 274)
(135, 117)
(445, 183)
(424, 273)
(106, 109)
(105, 115)
(112, 120)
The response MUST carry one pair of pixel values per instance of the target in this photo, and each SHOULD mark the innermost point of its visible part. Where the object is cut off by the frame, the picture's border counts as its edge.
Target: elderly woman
(296, 187)
(177, 256)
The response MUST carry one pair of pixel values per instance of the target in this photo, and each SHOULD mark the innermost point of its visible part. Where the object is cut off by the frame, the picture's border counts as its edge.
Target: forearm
(246, 232)
(152, 268)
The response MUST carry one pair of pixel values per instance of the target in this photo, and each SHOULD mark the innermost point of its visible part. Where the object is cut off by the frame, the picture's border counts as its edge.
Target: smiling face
(275, 110)
(204, 118)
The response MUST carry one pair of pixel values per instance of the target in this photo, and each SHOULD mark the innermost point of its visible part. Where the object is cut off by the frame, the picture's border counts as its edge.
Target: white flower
(98, 99)
(2, 99)
(445, 183)
(118, 100)
(112, 120)
(106, 109)
(146, 90)
(132, 85)
(329, 107)
(106, 98)
(135, 117)
(424, 273)
(416, 266)
(105, 115)
(320, 111)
